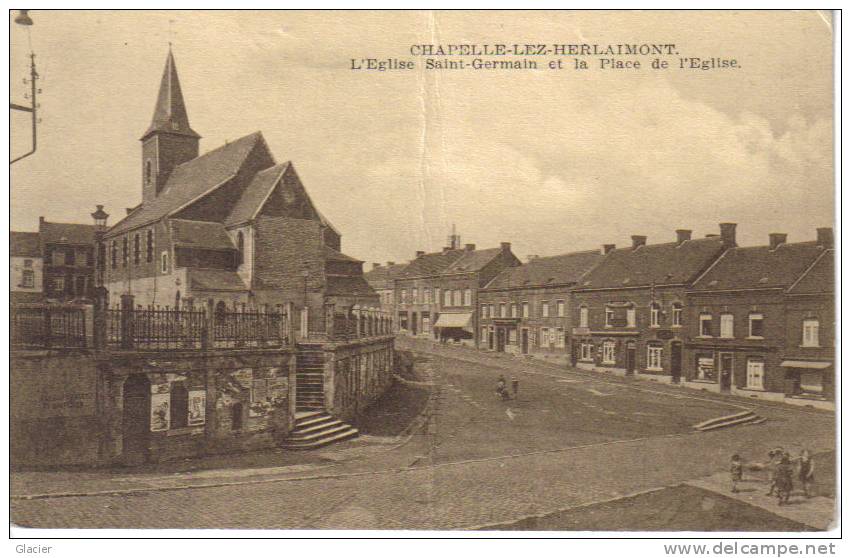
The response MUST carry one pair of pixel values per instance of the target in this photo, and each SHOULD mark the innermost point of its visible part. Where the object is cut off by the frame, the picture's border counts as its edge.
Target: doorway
(524, 341)
(500, 340)
(726, 366)
(630, 357)
(676, 361)
(136, 419)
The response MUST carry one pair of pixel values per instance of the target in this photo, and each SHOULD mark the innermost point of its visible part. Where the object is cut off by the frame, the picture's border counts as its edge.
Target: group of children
(502, 388)
(781, 471)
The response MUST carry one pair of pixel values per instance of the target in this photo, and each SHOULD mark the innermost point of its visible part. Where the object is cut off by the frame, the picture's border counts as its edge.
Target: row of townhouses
(701, 312)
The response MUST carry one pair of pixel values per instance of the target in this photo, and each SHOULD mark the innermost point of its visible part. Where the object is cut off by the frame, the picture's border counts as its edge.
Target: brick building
(437, 293)
(68, 250)
(231, 225)
(629, 311)
(26, 272)
(742, 339)
(382, 279)
(526, 309)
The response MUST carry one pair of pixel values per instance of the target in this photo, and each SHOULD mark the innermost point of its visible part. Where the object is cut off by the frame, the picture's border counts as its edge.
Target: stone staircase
(745, 417)
(315, 429)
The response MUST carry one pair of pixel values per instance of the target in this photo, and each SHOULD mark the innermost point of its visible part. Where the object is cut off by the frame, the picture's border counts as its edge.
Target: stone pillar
(356, 314)
(289, 323)
(305, 315)
(328, 375)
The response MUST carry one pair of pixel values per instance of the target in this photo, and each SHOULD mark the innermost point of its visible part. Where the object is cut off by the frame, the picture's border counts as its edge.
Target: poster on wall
(197, 407)
(160, 415)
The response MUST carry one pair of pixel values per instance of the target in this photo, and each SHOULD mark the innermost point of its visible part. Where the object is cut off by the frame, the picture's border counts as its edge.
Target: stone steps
(745, 417)
(318, 429)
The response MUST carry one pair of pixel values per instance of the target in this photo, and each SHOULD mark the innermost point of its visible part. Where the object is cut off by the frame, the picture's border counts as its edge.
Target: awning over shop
(816, 365)
(454, 320)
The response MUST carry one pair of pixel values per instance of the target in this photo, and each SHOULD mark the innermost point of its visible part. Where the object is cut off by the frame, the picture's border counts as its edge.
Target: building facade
(746, 320)
(26, 271)
(526, 309)
(382, 279)
(68, 252)
(232, 226)
(629, 311)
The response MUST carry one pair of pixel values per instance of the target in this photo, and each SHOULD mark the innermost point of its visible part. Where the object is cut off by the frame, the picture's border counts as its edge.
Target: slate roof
(820, 278)
(66, 233)
(333, 255)
(431, 264)
(662, 264)
(190, 180)
(473, 260)
(200, 234)
(215, 280)
(348, 285)
(255, 194)
(565, 269)
(24, 244)
(170, 115)
(759, 267)
(382, 277)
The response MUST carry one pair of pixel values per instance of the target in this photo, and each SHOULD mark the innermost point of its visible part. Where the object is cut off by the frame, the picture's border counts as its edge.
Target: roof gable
(200, 234)
(256, 194)
(756, 267)
(565, 269)
(473, 260)
(431, 264)
(195, 179)
(660, 264)
(66, 233)
(820, 278)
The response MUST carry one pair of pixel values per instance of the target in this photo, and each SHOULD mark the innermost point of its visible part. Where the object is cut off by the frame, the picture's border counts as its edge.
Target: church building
(232, 225)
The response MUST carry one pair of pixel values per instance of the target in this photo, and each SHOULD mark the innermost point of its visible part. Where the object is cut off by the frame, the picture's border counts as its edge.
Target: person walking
(773, 459)
(515, 386)
(783, 479)
(502, 388)
(806, 472)
(736, 469)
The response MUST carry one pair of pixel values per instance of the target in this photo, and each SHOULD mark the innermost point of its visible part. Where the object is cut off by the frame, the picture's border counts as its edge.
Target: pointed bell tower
(169, 140)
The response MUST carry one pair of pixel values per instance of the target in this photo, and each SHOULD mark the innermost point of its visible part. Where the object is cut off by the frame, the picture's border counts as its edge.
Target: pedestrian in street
(736, 469)
(783, 479)
(502, 388)
(515, 386)
(773, 459)
(806, 472)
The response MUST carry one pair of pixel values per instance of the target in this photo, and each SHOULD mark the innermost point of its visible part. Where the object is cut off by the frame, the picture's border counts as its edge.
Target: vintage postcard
(423, 271)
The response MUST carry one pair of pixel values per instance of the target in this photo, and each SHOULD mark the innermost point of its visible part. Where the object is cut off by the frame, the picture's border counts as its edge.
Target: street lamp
(24, 19)
(100, 216)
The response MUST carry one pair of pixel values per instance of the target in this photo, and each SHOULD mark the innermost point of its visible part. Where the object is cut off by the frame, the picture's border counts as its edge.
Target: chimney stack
(606, 248)
(683, 235)
(506, 246)
(469, 247)
(824, 235)
(420, 253)
(389, 264)
(40, 221)
(728, 234)
(531, 257)
(375, 265)
(776, 239)
(638, 240)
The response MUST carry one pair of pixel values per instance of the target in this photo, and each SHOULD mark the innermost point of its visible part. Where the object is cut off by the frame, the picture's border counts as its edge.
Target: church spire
(170, 112)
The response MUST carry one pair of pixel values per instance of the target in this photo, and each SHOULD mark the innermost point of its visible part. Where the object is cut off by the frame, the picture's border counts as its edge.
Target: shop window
(583, 316)
(755, 328)
(608, 352)
(756, 374)
(810, 338)
(654, 357)
(705, 367)
(587, 351)
(179, 405)
(559, 340)
(706, 325)
(727, 326)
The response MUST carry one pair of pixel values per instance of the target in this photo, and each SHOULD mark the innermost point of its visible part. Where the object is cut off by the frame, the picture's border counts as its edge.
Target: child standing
(806, 472)
(736, 472)
(783, 479)
(773, 459)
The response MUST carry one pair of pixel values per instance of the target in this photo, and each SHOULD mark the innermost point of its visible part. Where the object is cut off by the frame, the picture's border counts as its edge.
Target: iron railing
(155, 328)
(248, 329)
(48, 326)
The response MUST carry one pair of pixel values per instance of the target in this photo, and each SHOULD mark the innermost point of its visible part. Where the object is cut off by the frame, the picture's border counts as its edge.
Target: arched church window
(240, 246)
(149, 166)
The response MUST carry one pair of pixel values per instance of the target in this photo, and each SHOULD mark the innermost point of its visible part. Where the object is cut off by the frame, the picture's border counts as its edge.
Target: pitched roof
(348, 285)
(200, 234)
(215, 280)
(564, 269)
(431, 264)
(170, 111)
(24, 244)
(755, 267)
(819, 278)
(662, 264)
(379, 277)
(333, 255)
(190, 180)
(473, 260)
(66, 233)
(255, 194)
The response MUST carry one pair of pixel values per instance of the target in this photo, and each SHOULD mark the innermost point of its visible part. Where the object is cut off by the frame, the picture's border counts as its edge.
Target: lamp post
(24, 19)
(100, 216)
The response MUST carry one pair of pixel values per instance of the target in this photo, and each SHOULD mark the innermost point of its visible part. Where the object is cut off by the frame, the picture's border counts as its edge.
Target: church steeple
(169, 140)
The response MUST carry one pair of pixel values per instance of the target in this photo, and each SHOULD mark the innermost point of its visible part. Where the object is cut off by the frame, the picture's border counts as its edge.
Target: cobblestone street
(570, 439)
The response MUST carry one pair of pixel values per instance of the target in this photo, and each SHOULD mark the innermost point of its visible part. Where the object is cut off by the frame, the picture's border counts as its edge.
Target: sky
(551, 161)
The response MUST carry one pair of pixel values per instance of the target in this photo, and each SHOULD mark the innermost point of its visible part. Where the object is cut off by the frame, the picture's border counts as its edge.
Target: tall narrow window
(484, 310)
(164, 262)
(149, 246)
(503, 310)
(125, 251)
(456, 298)
(654, 315)
(137, 249)
(525, 307)
(608, 352)
(545, 309)
(240, 248)
(610, 316)
(114, 256)
(677, 314)
(630, 317)
(415, 293)
(727, 326)
(236, 416)
(513, 310)
(28, 279)
(810, 333)
(706, 325)
(560, 308)
(583, 316)
(468, 297)
(755, 328)
(654, 357)
(149, 171)
(756, 374)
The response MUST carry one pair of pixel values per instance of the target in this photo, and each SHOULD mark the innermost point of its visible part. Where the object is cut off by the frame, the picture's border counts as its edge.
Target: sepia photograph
(515, 273)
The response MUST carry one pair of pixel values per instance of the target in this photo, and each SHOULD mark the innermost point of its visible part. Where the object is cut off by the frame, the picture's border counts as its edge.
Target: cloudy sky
(550, 161)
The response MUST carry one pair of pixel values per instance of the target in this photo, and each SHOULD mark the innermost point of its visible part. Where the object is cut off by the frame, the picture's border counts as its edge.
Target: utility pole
(23, 19)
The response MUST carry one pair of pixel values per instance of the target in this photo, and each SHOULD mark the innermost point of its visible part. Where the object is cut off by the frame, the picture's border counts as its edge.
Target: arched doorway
(136, 419)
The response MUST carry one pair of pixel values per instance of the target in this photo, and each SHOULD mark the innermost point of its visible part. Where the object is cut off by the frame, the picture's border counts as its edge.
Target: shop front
(456, 327)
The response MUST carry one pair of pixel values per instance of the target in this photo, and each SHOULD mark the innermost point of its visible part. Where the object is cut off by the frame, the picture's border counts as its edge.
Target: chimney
(506, 246)
(531, 257)
(776, 239)
(447, 249)
(420, 253)
(375, 265)
(683, 235)
(606, 248)
(469, 247)
(638, 240)
(389, 264)
(824, 235)
(728, 234)
(40, 221)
